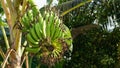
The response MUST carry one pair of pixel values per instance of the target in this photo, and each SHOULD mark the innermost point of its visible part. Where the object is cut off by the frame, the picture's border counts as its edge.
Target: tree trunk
(15, 60)
(15, 57)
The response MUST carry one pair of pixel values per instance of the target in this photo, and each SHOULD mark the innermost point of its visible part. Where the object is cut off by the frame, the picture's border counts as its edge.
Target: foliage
(96, 48)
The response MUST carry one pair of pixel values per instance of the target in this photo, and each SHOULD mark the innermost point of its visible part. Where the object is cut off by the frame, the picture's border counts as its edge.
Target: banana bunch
(46, 34)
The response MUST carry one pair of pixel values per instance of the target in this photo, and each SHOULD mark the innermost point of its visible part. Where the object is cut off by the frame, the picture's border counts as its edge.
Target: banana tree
(34, 33)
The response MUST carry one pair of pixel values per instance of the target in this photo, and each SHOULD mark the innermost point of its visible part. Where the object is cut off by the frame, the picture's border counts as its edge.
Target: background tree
(94, 47)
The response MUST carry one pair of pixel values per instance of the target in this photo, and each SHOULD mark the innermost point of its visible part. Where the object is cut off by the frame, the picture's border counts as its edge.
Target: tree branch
(79, 30)
(73, 8)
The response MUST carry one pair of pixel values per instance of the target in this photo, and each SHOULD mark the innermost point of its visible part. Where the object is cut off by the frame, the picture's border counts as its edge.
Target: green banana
(57, 29)
(33, 49)
(57, 53)
(52, 28)
(26, 21)
(33, 34)
(35, 11)
(40, 17)
(54, 54)
(67, 35)
(33, 6)
(46, 17)
(48, 30)
(31, 40)
(52, 31)
(56, 33)
(52, 15)
(30, 15)
(57, 21)
(23, 22)
(47, 24)
(37, 29)
(33, 45)
(42, 25)
(44, 29)
(61, 34)
(50, 22)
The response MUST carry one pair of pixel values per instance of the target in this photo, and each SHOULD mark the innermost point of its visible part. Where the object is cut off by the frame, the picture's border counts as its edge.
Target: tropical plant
(32, 33)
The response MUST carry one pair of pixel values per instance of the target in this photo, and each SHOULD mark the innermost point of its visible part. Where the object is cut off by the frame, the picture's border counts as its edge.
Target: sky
(41, 3)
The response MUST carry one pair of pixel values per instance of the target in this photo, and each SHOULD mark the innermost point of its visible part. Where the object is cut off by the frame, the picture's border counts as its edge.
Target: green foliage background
(97, 47)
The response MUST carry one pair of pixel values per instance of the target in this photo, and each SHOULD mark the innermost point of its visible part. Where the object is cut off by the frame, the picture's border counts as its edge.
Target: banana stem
(5, 37)
(30, 61)
(27, 62)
